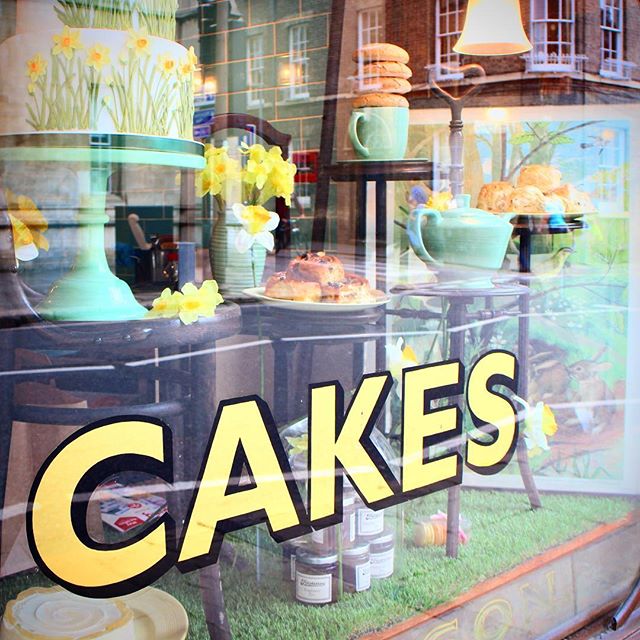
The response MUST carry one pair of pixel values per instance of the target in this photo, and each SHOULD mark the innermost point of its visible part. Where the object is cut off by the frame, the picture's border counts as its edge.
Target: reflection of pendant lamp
(491, 28)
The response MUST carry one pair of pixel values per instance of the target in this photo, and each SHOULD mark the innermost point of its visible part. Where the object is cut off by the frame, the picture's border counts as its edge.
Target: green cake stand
(90, 291)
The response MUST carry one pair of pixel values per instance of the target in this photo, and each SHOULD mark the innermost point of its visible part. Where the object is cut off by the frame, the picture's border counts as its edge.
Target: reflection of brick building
(583, 50)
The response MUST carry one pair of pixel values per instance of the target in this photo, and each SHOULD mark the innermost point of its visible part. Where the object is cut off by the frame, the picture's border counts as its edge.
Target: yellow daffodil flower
(66, 42)
(167, 305)
(539, 423)
(257, 225)
(139, 42)
(167, 64)
(185, 69)
(210, 288)
(219, 171)
(299, 444)
(36, 67)
(401, 356)
(98, 56)
(440, 200)
(28, 225)
(195, 303)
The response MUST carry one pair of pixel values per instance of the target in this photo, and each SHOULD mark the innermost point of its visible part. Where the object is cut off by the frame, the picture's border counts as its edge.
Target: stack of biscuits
(382, 76)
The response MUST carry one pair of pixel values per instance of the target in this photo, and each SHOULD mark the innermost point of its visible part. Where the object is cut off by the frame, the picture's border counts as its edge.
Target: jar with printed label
(316, 577)
(356, 569)
(289, 550)
(368, 521)
(326, 539)
(382, 554)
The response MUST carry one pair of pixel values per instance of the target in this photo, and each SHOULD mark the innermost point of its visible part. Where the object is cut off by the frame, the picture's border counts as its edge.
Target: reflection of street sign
(307, 163)
(203, 116)
(201, 131)
(204, 99)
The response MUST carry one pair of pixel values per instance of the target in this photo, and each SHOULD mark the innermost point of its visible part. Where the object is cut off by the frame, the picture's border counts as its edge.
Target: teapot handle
(414, 232)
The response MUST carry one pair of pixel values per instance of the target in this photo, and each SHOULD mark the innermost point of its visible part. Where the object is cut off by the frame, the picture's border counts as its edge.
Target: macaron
(385, 70)
(381, 51)
(380, 100)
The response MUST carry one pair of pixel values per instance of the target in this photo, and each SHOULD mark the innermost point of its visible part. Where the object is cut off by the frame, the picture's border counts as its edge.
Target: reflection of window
(553, 36)
(612, 158)
(298, 69)
(370, 26)
(255, 68)
(449, 21)
(612, 63)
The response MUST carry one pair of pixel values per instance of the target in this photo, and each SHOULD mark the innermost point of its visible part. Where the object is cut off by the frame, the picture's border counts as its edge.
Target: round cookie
(384, 85)
(381, 51)
(380, 100)
(385, 70)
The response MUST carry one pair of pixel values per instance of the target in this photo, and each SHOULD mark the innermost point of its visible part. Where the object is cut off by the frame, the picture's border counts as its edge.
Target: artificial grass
(505, 532)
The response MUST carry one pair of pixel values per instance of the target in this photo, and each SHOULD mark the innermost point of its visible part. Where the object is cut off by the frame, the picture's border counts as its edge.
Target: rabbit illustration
(593, 390)
(549, 376)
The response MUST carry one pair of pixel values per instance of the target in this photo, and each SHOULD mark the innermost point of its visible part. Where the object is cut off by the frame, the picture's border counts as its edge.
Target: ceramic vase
(234, 271)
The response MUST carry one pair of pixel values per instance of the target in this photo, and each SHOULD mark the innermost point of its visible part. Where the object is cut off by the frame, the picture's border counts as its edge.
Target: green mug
(380, 133)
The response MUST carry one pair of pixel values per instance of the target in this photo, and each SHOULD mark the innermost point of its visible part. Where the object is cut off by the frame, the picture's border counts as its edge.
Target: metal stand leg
(456, 351)
(213, 601)
(523, 391)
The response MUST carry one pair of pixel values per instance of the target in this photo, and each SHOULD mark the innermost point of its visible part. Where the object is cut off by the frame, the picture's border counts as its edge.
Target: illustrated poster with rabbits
(575, 407)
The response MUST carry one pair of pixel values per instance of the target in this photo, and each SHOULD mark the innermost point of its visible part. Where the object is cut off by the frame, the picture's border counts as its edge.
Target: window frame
(446, 61)
(298, 55)
(255, 64)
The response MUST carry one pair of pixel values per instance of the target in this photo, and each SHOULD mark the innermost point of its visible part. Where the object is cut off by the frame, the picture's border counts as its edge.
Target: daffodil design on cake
(108, 67)
(40, 614)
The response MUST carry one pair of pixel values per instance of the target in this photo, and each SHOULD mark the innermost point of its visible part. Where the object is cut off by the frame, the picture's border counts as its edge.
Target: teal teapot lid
(464, 210)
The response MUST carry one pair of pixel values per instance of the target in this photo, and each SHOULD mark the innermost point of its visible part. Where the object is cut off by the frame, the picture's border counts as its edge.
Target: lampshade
(493, 28)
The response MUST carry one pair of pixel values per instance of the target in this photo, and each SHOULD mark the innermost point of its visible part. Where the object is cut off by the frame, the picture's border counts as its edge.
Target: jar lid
(357, 550)
(383, 538)
(308, 556)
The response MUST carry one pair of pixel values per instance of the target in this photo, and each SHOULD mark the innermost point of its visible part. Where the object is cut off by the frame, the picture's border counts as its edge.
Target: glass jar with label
(356, 568)
(368, 521)
(289, 550)
(316, 577)
(326, 539)
(382, 555)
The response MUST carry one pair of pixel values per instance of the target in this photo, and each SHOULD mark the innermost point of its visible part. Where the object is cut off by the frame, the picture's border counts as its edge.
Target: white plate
(157, 615)
(257, 293)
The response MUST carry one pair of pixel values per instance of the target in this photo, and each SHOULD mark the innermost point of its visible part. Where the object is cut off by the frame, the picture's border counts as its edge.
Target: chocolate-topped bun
(543, 176)
(352, 288)
(316, 267)
(495, 197)
(281, 287)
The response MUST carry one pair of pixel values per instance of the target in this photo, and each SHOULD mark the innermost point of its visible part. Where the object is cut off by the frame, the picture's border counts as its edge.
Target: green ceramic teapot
(462, 236)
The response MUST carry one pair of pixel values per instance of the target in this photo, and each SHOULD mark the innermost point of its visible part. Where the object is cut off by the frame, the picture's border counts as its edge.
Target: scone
(528, 199)
(495, 197)
(381, 51)
(575, 201)
(384, 85)
(543, 176)
(56, 613)
(380, 100)
(316, 267)
(351, 289)
(385, 70)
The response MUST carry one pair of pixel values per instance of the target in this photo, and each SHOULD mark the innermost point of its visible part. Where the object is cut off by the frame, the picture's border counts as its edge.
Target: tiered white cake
(107, 66)
(41, 614)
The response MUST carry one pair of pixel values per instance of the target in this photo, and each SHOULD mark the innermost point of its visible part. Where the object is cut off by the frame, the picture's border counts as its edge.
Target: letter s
(56, 519)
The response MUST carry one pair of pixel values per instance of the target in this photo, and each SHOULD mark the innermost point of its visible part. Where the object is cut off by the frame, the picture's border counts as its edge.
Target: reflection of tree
(542, 138)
